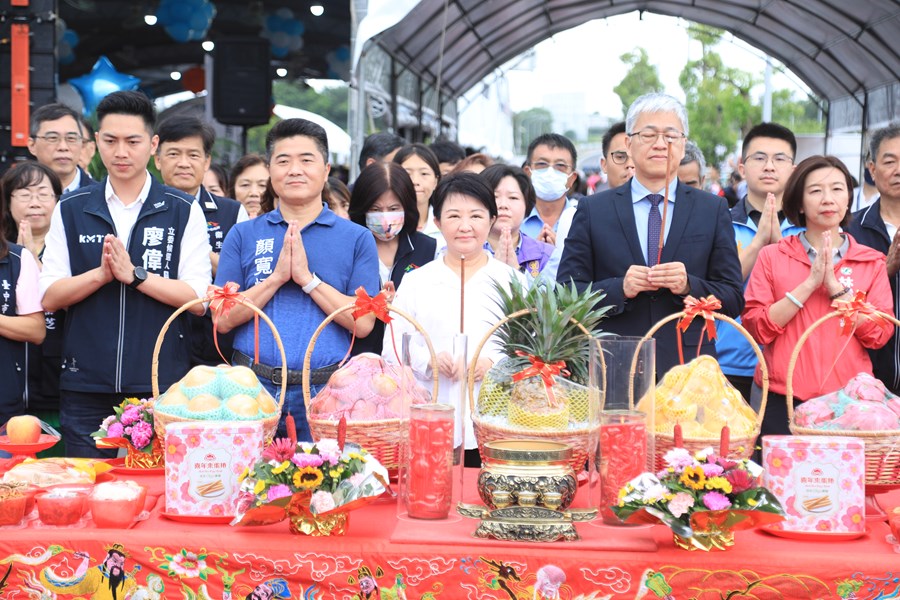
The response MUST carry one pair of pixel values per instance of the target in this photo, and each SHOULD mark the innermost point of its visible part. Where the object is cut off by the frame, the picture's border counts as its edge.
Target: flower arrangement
(699, 493)
(315, 485)
(131, 427)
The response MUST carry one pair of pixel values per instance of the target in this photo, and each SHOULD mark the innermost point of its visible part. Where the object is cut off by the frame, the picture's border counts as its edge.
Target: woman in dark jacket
(384, 201)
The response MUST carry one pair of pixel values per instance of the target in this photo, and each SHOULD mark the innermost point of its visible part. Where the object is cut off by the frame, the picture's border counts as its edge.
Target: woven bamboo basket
(160, 420)
(882, 447)
(737, 447)
(580, 439)
(381, 438)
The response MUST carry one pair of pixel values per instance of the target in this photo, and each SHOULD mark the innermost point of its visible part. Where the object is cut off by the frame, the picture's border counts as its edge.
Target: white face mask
(385, 225)
(549, 184)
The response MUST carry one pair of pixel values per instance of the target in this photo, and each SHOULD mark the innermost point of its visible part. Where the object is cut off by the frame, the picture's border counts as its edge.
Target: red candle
(623, 455)
(429, 476)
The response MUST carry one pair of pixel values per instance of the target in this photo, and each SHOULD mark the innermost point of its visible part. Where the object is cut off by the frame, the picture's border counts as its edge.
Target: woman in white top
(465, 211)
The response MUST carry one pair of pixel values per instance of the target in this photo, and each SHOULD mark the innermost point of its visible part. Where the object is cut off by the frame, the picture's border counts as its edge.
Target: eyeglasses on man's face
(649, 135)
(72, 139)
(760, 159)
(620, 157)
(540, 165)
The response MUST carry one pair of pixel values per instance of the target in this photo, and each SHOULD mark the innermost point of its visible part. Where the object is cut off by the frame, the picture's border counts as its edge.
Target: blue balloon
(342, 53)
(101, 81)
(294, 27)
(164, 13)
(181, 13)
(179, 31)
(273, 23)
(199, 22)
(70, 37)
(279, 51)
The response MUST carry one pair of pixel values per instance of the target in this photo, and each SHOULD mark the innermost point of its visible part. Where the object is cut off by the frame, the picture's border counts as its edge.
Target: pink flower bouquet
(131, 427)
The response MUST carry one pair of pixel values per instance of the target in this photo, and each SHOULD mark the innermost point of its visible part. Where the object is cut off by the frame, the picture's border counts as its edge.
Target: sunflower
(693, 477)
(307, 478)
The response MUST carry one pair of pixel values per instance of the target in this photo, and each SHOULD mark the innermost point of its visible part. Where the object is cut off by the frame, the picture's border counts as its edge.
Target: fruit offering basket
(216, 393)
(695, 406)
(370, 395)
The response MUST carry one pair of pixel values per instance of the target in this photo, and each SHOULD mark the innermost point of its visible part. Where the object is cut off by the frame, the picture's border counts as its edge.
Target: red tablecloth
(378, 559)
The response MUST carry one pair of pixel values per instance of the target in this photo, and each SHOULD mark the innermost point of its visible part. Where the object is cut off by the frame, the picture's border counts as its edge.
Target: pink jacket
(781, 268)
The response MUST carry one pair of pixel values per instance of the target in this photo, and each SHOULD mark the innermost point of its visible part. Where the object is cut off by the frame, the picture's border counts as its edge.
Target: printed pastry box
(204, 461)
(819, 480)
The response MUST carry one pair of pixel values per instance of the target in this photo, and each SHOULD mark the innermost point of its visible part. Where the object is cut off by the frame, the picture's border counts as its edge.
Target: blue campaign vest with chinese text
(109, 336)
(12, 354)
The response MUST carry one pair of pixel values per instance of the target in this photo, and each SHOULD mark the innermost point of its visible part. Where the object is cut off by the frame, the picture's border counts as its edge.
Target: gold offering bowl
(532, 473)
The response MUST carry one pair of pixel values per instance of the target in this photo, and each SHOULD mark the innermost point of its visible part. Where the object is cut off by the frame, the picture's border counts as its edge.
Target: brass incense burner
(527, 487)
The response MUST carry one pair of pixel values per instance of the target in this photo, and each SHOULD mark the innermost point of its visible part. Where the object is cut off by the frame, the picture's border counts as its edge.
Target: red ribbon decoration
(221, 301)
(546, 371)
(704, 307)
(366, 304)
(851, 309)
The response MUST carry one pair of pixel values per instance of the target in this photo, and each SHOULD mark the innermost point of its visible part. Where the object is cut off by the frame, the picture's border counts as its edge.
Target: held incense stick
(462, 293)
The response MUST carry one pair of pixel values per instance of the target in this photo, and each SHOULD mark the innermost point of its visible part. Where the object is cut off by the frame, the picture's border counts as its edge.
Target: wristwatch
(140, 276)
(313, 284)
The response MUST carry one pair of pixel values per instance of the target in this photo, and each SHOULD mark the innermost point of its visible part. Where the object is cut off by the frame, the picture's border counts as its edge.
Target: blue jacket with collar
(736, 357)
(109, 336)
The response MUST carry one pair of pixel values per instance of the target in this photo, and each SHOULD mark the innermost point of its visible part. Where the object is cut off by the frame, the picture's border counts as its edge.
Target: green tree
(641, 78)
(528, 124)
(332, 103)
(718, 98)
(800, 116)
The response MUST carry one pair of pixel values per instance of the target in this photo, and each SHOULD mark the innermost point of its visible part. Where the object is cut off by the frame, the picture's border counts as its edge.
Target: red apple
(24, 429)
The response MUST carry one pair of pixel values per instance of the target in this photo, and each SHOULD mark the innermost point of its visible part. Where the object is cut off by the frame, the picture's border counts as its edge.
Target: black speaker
(242, 81)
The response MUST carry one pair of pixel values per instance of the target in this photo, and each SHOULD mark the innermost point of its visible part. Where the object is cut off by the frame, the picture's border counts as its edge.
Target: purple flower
(141, 434)
(115, 430)
(130, 415)
(716, 501)
(712, 470)
(302, 459)
(278, 491)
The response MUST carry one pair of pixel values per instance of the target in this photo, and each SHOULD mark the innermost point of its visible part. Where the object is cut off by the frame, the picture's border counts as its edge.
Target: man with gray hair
(877, 227)
(692, 169)
(649, 256)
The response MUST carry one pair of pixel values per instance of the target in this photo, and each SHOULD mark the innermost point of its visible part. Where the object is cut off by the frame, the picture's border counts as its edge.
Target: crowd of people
(91, 270)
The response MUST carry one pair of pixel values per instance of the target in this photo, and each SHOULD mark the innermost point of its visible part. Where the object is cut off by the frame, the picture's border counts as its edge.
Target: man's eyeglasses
(620, 157)
(25, 196)
(650, 135)
(760, 159)
(540, 165)
(73, 139)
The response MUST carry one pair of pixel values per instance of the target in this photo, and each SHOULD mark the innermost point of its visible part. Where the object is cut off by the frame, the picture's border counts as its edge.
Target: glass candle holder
(429, 490)
(623, 455)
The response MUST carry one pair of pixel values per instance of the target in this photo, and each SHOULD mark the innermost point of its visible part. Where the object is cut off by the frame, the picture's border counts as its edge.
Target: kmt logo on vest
(91, 239)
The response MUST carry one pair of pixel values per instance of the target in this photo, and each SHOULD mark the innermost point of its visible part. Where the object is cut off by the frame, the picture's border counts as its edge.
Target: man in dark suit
(56, 141)
(614, 242)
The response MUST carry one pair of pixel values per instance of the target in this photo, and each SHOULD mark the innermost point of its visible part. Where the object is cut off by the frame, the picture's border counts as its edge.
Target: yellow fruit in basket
(266, 403)
(679, 410)
(243, 405)
(199, 376)
(341, 378)
(174, 397)
(383, 385)
(203, 403)
(242, 376)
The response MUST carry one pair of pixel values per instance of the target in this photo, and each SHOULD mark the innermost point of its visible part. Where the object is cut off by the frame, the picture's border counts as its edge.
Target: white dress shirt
(194, 267)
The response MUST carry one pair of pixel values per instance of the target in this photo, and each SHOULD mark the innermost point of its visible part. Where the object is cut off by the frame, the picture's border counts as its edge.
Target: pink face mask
(385, 225)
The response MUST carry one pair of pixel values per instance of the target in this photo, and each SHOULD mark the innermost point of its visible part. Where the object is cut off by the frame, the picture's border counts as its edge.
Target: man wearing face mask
(384, 201)
(551, 167)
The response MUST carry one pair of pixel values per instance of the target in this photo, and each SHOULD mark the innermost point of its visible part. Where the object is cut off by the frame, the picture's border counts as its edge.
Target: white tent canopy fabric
(338, 139)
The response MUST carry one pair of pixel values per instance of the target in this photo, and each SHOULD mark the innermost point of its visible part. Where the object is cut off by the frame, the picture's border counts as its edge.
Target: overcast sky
(586, 59)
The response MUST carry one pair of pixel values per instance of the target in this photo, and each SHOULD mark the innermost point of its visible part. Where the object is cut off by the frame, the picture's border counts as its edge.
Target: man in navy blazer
(613, 242)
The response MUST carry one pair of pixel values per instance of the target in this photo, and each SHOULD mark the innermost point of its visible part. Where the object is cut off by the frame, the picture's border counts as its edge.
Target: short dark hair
(769, 130)
(465, 184)
(447, 151)
(221, 174)
(495, 173)
(21, 175)
(375, 180)
(423, 152)
(552, 140)
(132, 103)
(614, 130)
(88, 128)
(177, 128)
(792, 200)
(289, 128)
(888, 132)
(378, 145)
(52, 112)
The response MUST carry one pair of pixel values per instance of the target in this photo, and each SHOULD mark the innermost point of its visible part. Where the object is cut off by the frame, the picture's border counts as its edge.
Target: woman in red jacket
(795, 282)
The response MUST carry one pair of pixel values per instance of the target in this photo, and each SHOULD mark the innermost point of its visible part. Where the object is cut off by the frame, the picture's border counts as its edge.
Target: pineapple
(548, 334)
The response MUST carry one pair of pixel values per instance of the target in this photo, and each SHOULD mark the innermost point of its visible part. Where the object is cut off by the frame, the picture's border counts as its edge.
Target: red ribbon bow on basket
(546, 371)
(851, 309)
(376, 305)
(693, 307)
(221, 301)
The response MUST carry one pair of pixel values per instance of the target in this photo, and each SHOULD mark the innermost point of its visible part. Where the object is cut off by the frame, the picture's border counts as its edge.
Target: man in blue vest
(120, 255)
(183, 157)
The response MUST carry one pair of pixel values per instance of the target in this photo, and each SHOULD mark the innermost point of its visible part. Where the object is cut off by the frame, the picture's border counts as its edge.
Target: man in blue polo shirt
(297, 263)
